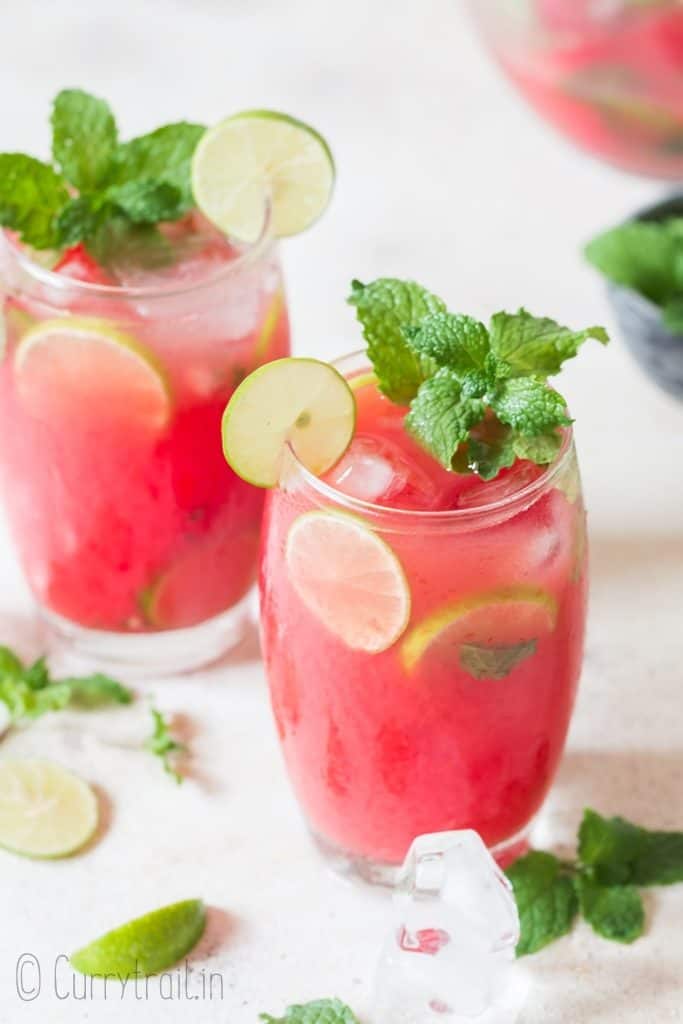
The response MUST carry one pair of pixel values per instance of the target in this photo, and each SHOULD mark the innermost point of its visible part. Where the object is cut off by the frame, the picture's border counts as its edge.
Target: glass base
(168, 652)
(373, 872)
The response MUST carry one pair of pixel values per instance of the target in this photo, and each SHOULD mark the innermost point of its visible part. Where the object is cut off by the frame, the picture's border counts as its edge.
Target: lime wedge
(147, 945)
(76, 366)
(45, 811)
(488, 633)
(256, 157)
(349, 579)
(301, 402)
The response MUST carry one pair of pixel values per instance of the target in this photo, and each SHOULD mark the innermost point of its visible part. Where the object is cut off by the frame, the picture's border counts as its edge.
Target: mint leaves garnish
(614, 858)
(29, 692)
(646, 256)
(95, 179)
(320, 1011)
(479, 397)
(163, 746)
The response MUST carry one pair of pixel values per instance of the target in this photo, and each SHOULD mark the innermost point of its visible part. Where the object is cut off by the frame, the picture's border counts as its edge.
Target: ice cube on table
(450, 954)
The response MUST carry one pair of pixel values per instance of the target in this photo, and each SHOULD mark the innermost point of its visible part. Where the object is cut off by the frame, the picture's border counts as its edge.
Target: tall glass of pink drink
(461, 721)
(137, 540)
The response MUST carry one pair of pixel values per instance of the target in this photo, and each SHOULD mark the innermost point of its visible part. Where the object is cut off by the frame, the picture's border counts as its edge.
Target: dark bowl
(657, 350)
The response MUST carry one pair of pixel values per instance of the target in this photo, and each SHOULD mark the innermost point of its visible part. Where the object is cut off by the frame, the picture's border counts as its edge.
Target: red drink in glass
(461, 722)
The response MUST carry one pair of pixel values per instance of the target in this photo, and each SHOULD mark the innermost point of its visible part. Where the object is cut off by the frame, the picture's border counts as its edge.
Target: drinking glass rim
(52, 279)
(521, 498)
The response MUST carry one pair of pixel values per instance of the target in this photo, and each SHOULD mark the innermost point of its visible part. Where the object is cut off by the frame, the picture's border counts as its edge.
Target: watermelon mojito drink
(121, 351)
(422, 626)
(609, 76)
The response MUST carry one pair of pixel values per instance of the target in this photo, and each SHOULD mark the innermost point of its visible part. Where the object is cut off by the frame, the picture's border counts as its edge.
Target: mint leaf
(84, 139)
(320, 1011)
(37, 675)
(385, 308)
(95, 690)
(10, 665)
(672, 314)
(529, 406)
(120, 242)
(450, 339)
(615, 912)
(609, 846)
(440, 417)
(495, 662)
(163, 746)
(536, 345)
(541, 449)
(164, 155)
(147, 202)
(546, 900)
(659, 860)
(77, 220)
(643, 255)
(32, 195)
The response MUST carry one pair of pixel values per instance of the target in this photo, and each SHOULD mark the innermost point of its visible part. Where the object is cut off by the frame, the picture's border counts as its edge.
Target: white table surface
(444, 176)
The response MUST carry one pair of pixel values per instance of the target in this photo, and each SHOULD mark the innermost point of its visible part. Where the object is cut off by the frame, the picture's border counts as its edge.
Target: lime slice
(301, 402)
(78, 366)
(45, 811)
(349, 578)
(270, 321)
(362, 380)
(257, 156)
(147, 945)
(490, 633)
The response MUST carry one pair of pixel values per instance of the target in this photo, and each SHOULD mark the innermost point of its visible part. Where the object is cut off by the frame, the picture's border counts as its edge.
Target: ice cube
(450, 955)
(366, 473)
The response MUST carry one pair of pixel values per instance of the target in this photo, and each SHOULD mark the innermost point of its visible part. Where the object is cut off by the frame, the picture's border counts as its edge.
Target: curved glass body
(128, 521)
(606, 73)
(381, 748)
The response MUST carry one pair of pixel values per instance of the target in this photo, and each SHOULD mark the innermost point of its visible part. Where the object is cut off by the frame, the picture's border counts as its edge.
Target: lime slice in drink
(271, 319)
(76, 366)
(146, 945)
(256, 157)
(301, 402)
(45, 811)
(488, 634)
(349, 578)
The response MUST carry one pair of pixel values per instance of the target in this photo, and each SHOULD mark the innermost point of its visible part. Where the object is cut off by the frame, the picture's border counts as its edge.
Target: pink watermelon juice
(611, 82)
(112, 387)
(460, 721)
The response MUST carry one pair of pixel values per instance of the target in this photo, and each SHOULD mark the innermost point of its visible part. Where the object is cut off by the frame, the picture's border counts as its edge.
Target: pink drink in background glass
(379, 747)
(128, 522)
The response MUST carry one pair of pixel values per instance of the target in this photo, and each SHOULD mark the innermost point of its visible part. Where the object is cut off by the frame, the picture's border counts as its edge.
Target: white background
(443, 176)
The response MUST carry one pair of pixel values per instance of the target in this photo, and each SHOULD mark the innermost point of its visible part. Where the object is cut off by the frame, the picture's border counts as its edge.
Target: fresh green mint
(320, 1011)
(478, 396)
(646, 256)
(614, 859)
(94, 178)
(163, 746)
(29, 692)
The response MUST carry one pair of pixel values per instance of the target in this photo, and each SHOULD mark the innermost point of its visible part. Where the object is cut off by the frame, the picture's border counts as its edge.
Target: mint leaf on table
(537, 346)
(320, 1011)
(613, 911)
(609, 846)
(441, 416)
(546, 900)
(646, 256)
(95, 690)
(163, 746)
(385, 308)
(495, 662)
(164, 155)
(84, 139)
(32, 196)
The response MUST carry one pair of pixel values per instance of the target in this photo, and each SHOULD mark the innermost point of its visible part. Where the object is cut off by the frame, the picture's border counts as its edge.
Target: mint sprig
(320, 1011)
(479, 397)
(29, 691)
(94, 179)
(614, 859)
(162, 744)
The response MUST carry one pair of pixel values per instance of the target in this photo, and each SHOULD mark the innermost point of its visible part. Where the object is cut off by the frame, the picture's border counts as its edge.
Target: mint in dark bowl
(642, 260)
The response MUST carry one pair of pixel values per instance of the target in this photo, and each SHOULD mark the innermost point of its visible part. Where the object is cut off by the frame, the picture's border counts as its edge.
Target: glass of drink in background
(606, 73)
(423, 637)
(137, 540)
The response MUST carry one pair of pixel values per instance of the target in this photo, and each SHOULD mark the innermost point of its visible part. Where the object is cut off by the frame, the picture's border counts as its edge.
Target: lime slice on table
(147, 945)
(78, 365)
(349, 578)
(45, 811)
(301, 402)
(487, 634)
(257, 156)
